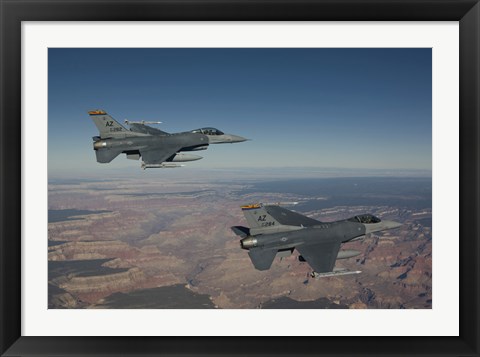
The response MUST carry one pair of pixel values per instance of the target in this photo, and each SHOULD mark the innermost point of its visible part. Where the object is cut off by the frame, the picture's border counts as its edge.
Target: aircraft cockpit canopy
(208, 131)
(365, 218)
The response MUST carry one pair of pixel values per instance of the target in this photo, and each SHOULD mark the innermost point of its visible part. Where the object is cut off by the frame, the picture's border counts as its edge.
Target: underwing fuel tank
(196, 148)
(181, 157)
(345, 254)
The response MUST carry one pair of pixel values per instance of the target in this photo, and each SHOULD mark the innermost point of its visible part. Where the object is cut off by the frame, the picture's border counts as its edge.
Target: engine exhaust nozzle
(249, 242)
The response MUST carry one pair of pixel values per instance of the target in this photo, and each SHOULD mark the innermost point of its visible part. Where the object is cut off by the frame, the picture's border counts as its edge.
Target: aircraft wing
(158, 155)
(321, 256)
(290, 218)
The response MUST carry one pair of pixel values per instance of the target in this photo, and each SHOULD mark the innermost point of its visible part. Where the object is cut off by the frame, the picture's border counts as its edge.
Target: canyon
(119, 243)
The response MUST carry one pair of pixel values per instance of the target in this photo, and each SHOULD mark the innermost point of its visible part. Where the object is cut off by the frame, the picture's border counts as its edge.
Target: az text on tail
(264, 218)
(258, 217)
(109, 127)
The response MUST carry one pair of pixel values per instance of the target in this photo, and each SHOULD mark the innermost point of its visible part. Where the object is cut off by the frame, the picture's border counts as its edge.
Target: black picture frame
(13, 12)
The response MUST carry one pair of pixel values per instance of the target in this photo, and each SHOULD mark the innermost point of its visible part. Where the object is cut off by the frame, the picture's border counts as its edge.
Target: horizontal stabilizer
(262, 259)
(241, 231)
(106, 155)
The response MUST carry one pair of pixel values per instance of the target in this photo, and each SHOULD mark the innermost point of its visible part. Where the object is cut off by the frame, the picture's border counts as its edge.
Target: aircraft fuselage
(188, 141)
(133, 146)
(340, 231)
(276, 231)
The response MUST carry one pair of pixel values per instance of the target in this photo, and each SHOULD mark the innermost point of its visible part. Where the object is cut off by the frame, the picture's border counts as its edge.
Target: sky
(300, 107)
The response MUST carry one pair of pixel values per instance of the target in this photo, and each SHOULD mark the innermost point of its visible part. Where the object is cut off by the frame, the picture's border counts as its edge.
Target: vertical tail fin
(258, 217)
(109, 127)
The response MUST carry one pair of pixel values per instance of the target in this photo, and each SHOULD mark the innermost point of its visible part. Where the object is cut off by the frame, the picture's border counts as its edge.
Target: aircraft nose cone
(225, 138)
(381, 226)
(237, 139)
(229, 138)
(391, 224)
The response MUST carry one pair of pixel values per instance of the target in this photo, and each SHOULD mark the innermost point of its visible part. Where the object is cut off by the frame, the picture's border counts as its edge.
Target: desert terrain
(163, 243)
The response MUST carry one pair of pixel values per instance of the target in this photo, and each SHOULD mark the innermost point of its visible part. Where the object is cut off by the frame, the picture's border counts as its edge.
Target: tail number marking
(267, 224)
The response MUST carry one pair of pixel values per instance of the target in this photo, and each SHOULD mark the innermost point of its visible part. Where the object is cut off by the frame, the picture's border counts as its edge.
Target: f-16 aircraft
(276, 231)
(158, 149)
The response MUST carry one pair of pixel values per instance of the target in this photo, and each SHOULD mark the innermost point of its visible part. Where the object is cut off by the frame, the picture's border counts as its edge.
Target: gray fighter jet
(157, 148)
(276, 231)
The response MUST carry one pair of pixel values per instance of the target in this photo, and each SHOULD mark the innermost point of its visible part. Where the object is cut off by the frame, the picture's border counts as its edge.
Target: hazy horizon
(243, 173)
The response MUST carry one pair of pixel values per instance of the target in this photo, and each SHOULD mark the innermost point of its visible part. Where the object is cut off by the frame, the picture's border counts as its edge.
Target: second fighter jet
(275, 231)
(157, 148)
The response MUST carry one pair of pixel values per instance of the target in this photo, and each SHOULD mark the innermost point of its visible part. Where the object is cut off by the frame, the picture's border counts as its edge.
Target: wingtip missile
(142, 122)
(160, 166)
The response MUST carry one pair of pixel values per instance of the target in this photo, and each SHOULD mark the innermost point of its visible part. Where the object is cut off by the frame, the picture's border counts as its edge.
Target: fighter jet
(276, 231)
(157, 148)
